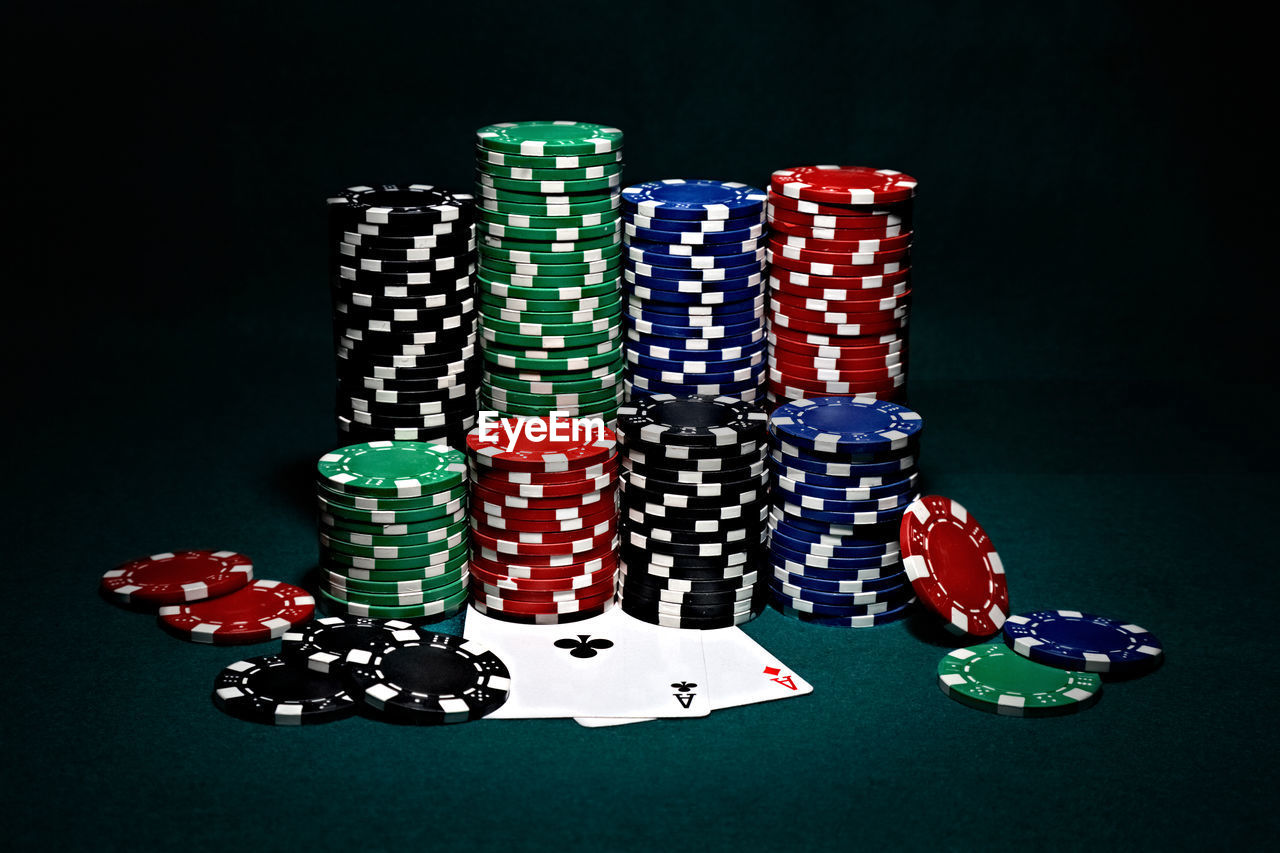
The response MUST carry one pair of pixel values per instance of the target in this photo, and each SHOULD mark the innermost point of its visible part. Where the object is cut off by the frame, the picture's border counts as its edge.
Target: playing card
(739, 671)
(607, 666)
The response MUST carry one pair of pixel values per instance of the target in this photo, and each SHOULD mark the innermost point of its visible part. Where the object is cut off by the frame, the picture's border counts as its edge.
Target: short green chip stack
(550, 246)
(393, 530)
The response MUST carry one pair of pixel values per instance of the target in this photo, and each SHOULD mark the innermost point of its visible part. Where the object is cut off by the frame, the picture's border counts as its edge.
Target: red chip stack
(840, 286)
(544, 519)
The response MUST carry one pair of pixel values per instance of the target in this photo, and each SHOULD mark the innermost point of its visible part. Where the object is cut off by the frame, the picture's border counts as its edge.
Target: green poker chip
(541, 206)
(405, 598)
(542, 359)
(520, 220)
(513, 310)
(336, 557)
(549, 288)
(555, 383)
(421, 573)
(559, 343)
(430, 515)
(532, 262)
(580, 251)
(609, 275)
(392, 469)
(565, 364)
(546, 161)
(403, 540)
(351, 525)
(546, 138)
(443, 608)
(993, 677)
(540, 270)
(606, 411)
(520, 398)
(334, 579)
(527, 174)
(518, 319)
(529, 324)
(495, 234)
(368, 504)
(442, 544)
(551, 187)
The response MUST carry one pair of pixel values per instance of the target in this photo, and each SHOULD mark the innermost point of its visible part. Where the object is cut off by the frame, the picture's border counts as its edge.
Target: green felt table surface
(1091, 353)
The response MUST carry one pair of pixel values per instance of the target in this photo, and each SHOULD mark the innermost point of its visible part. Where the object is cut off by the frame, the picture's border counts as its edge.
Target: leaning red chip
(261, 611)
(541, 444)
(953, 566)
(843, 184)
(176, 576)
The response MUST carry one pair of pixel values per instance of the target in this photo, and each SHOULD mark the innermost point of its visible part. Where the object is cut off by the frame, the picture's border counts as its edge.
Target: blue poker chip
(651, 350)
(694, 321)
(708, 250)
(861, 535)
(697, 240)
(897, 481)
(697, 368)
(855, 519)
(891, 595)
(808, 581)
(684, 310)
(750, 374)
(848, 575)
(846, 424)
(637, 255)
(683, 343)
(753, 395)
(693, 225)
(697, 298)
(780, 549)
(1083, 642)
(832, 547)
(669, 330)
(802, 488)
(864, 621)
(832, 507)
(901, 465)
(801, 605)
(737, 390)
(693, 200)
(735, 279)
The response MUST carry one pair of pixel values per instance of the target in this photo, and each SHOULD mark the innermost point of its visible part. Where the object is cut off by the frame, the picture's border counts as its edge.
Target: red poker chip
(843, 184)
(548, 490)
(842, 282)
(544, 583)
(542, 619)
(843, 221)
(480, 472)
(839, 318)
(545, 561)
(595, 504)
(484, 494)
(785, 392)
(808, 373)
(857, 245)
(177, 576)
(534, 549)
(859, 305)
(804, 232)
(824, 346)
(604, 586)
(842, 270)
(499, 571)
(891, 214)
(784, 357)
(510, 605)
(779, 248)
(261, 611)
(837, 330)
(818, 386)
(524, 525)
(953, 566)
(562, 453)
(600, 528)
(832, 294)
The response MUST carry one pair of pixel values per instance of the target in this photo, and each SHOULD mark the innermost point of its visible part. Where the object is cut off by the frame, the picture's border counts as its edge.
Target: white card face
(740, 671)
(607, 666)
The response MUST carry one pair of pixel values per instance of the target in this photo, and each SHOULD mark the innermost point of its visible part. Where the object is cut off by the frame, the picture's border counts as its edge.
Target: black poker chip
(411, 206)
(321, 643)
(696, 420)
(274, 690)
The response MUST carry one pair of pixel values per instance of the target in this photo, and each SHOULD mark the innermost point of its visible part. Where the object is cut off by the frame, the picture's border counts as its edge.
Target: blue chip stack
(694, 275)
(845, 472)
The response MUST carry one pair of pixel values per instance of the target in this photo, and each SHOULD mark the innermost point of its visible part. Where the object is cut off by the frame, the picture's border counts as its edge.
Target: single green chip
(512, 309)
(397, 599)
(351, 525)
(437, 500)
(442, 609)
(502, 396)
(542, 206)
(439, 545)
(527, 174)
(405, 540)
(501, 317)
(425, 573)
(556, 343)
(544, 138)
(606, 275)
(551, 262)
(570, 251)
(430, 515)
(602, 411)
(552, 187)
(567, 364)
(333, 557)
(525, 323)
(993, 677)
(488, 194)
(547, 161)
(555, 383)
(609, 266)
(520, 220)
(400, 469)
(336, 581)
(502, 235)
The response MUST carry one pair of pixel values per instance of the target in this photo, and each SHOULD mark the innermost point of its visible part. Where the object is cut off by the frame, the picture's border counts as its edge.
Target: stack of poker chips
(695, 285)
(839, 282)
(404, 313)
(393, 530)
(550, 305)
(544, 519)
(694, 510)
(845, 472)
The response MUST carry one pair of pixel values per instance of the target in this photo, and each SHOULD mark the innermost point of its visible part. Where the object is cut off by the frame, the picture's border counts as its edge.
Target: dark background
(1091, 341)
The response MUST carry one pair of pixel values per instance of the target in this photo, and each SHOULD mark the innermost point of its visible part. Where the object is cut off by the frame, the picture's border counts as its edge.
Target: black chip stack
(404, 313)
(694, 509)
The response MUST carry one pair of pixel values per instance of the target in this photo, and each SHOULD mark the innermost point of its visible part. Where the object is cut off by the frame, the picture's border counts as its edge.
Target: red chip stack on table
(544, 519)
(840, 282)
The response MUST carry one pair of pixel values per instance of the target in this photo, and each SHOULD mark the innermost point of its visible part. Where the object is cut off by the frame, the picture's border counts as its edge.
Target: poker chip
(953, 566)
(1074, 640)
(273, 690)
(261, 611)
(851, 185)
(992, 677)
(176, 576)
(861, 620)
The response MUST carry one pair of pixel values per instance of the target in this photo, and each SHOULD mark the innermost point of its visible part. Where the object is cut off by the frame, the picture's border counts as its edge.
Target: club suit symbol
(584, 646)
(684, 694)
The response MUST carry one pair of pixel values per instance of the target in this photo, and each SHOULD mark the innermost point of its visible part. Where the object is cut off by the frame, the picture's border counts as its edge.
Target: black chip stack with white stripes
(404, 313)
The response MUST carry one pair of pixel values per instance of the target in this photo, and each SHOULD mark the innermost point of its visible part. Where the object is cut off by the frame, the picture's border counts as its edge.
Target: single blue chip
(780, 549)
(892, 595)
(702, 344)
(806, 544)
(823, 481)
(652, 350)
(698, 366)
(899, 465)
(696, 299)
(693, 322)
(793, 567)
(860, 535)
(887, 503)
(736, 279)
(658, 248)
(669, 330)
(849, 518)
(1083, 642)
(697, 240)
(701, 262)
(680, 199)
(846, 424)
(817, 584)
(866, 621)
(806, 489)
(750, 374)
(693, 225)
(737, 390)
(801, 605)
(719, 309)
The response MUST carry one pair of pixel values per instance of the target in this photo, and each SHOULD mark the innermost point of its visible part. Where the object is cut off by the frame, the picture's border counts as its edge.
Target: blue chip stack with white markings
(694, 275)
(845, 471)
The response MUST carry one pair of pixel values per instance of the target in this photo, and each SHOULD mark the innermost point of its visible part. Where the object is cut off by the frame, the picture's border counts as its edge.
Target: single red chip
(817, 387)
(543, 583)
(479, 472)
(783, 340)
(809, 373)
(836, 330)
(835, 294)
(535, 511)
(531, 608)
(261, 611)
(521, 592)
(889, 214)
(608, 524)
(564, 573)
(858, 305)
(843, 221)
(541, 444)
(546, 562)
(787, 357)
(843, 270)
(849, 282)
(603, 510)
(780, 248)
(177, 576)
(953, 566)
(843, 184)
(484, 494)
(844, 244)
(522, 550)
(547, 490)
